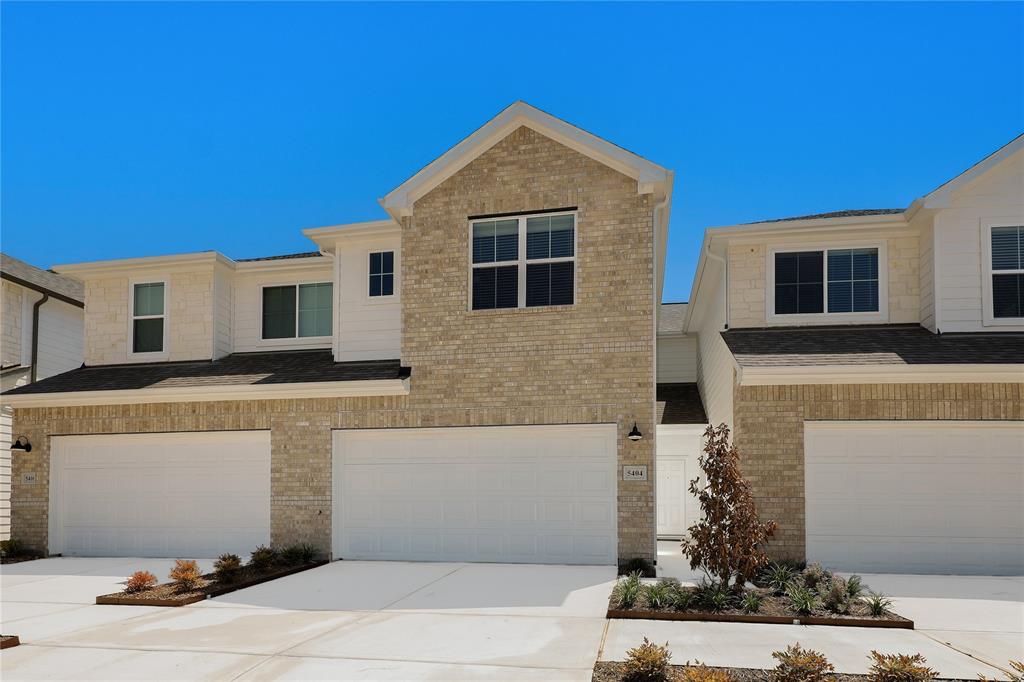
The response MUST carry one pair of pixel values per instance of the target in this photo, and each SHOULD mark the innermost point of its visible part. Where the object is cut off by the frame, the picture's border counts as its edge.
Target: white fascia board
(940, 197)
(649, 176)
(193, 394)
(327, 237)
(864, 222)
(881, 374)
(80, 270)
(286, 264)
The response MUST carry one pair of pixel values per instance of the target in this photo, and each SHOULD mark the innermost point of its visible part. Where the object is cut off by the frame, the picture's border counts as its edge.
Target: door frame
(660, 455)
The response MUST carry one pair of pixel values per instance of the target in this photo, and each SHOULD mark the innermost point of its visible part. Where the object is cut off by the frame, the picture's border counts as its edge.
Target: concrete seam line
(266, 659)
(604, 639)
(965, 653)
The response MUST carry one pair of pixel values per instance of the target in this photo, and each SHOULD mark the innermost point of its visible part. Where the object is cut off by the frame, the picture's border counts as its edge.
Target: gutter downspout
(35, 337)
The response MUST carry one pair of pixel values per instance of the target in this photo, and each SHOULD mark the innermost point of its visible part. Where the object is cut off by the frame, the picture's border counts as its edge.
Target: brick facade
(587, 363)
(768, 429)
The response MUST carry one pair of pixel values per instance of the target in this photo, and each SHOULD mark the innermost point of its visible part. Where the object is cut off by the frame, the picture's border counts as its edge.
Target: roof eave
(786, 375)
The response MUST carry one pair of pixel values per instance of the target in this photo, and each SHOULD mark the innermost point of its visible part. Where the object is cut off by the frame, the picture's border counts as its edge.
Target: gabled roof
(649, 176)
(939, 196)
(43, 281)
(849, 213)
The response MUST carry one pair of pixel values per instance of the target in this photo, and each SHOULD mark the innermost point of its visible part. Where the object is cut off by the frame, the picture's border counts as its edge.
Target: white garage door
(537, 494)
(916, 497)
(160, 495)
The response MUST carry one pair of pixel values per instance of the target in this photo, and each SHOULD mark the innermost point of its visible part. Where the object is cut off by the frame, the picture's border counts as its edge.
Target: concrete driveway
(345, 620)
(965, 625)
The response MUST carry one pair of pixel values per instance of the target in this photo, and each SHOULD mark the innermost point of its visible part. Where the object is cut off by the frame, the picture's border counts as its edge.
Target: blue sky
(144, 129)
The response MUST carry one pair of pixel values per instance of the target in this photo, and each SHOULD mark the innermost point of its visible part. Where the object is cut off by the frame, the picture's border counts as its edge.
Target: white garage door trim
(225, 450)
(950, 515)
(586, 528)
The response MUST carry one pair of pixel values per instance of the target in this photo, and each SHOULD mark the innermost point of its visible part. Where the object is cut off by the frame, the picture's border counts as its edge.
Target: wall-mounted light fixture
(21, 444)
(635, 434)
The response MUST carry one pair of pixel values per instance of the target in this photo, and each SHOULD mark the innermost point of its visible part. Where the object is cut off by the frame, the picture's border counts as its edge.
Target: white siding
(995, 195)
(927, 274)
(61, 339)
(222, 314)
(715, 369)
(677, 359)
(368, 328)
(248, 299)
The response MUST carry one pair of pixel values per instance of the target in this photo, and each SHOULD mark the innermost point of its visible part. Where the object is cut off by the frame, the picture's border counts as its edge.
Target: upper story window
(523, 262)
(382, 273)
(826, 281)
(148, 307)
(298, 310)
(1007, 271)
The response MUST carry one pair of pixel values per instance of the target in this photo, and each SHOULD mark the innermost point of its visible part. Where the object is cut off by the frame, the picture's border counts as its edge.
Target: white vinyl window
(297, 310)
(847, 282)
(1006, 271)
(524, 261)
(148, 318)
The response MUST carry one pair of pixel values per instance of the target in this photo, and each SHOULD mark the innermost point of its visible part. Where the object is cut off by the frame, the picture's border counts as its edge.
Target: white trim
(399, 201)
(881, 374)
(825, 317)
(164, 351)
(203, 257)
(985, 232)
(389, 298)
(202, 394)
(941, 197)
(286, 340)
(521, 261)
(327, 237)
(913, 423)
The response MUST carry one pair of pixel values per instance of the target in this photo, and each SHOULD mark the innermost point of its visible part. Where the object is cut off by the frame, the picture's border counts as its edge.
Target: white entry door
(160, 494)
(679, 446)
(916, 497)
(527, 494)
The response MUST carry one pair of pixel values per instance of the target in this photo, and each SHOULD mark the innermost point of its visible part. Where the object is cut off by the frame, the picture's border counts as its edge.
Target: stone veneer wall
(768, 429)
(10, 323)
(592, 362)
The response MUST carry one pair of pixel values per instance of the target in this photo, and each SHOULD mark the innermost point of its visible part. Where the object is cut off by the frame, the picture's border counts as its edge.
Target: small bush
(854, 587)
(836, 595)
(226, 567)
(714, 596)
(778, 577)
(11, 548)
(661, 594)
(298, 554)
(648, 663)
(263, 557)
(627, 591)
(638, 564)
(698, 672)
(815, 576)
(185, 574)
(899, 668)
(877, 603)
(801, 665)
(801, 598)
(685, 598)
(139, 581)
(750, 602)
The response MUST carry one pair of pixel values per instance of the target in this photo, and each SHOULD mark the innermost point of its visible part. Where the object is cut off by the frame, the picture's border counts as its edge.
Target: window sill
(536, 310)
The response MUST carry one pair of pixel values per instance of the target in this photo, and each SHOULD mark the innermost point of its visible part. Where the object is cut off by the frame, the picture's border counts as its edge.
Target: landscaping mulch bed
(606, 671)
(168, 594)
(7, 641)
(18, 559)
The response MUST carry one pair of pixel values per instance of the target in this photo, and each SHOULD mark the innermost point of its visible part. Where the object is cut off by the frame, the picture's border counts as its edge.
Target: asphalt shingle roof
(680, 404)
(51, 282)
(284, 367)
(286, 256)
(869, 345)
(851, 213)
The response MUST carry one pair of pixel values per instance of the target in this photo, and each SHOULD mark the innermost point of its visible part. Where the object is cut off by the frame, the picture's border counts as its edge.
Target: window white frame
(988, 319)
(149, 355)
(882, 315)
(521, 260)
(295, 338)
(394, 275)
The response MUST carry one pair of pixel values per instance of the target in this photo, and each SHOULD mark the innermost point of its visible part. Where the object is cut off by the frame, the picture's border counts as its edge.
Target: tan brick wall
(904, 279)
(587, 363)
(190, 310)
(106, 320)
(769, 433)
(10, 324)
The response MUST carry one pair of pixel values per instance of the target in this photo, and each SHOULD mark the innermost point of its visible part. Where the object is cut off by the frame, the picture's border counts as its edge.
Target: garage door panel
(534, 494)
(937, 497)
(182, 494)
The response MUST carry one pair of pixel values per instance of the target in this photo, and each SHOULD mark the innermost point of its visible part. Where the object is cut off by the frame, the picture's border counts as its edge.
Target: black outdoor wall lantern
(635, 434)
(22, 444)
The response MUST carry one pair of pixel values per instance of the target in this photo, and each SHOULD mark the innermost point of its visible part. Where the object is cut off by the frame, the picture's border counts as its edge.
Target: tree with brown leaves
(728, 541)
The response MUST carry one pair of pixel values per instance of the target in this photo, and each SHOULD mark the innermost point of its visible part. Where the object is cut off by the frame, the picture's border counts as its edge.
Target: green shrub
(11, 548)
(815, 576)
(801, 598)
(899, 668)
(698, 672)
(877, 603)
(647, 663)
(226, 567)
(686, 598)
(750, 602)
(854, 587)
(139, 581)
(714, 596)
(185, 574)
(836, 595)
(627, 591)
(778, 576)
(662, 594)
(801, 665)
(263, 557)
(298, 554)
(638, 564)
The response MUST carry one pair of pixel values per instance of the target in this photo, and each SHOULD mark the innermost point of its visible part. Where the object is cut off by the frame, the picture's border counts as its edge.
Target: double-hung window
(148, 307)
(826, 281)
(523, 262)
(297, 310)
(1007, 271)
(382, 273)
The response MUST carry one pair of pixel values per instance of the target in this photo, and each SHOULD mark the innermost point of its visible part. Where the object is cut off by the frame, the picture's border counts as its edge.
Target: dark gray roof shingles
(680, 403)
(254, 369)
(869, 345)
(851, 213)
(51, 282)
(286, 256)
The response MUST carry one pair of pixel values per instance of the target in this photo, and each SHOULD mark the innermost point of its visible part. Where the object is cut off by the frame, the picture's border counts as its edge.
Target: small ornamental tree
(728, 541)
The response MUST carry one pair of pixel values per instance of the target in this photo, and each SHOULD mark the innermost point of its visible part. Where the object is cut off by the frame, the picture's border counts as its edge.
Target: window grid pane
(799, 285)
(279, 312)
(149, 299)
(852, 280)
(148, 335)
(315, 305)
(382, 273)
(1007, 249)
(1008, 295)
(496, 287)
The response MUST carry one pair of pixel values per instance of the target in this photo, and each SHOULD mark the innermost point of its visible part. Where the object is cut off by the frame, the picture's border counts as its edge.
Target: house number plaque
(634, 473)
